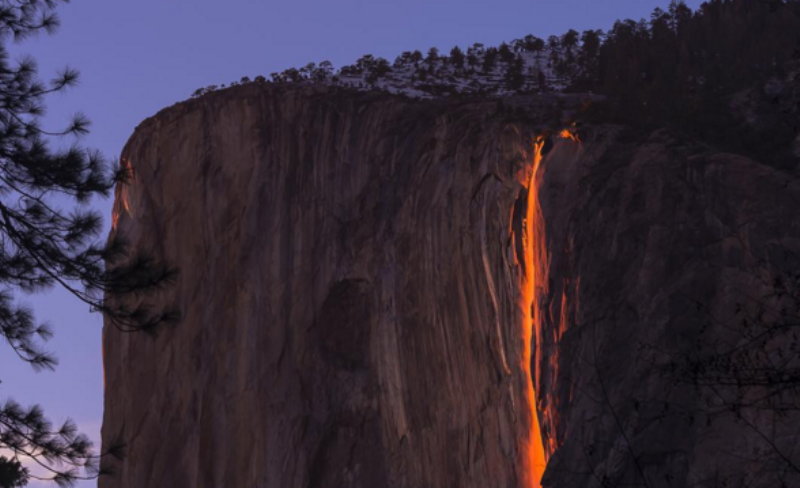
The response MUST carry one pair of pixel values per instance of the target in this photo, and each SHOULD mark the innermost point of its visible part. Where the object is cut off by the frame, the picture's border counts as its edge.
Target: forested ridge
(726, 73)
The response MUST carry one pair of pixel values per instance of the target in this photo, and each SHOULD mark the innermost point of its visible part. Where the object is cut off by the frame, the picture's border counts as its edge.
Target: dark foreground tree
(12, 474)
(48, 237)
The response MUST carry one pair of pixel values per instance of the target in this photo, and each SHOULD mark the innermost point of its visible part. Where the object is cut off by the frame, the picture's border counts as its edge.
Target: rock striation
(373, 288)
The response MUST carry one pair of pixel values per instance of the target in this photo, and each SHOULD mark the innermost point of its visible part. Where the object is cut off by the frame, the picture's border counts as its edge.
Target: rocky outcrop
(348, 286)
(359, 273)
(652, 247)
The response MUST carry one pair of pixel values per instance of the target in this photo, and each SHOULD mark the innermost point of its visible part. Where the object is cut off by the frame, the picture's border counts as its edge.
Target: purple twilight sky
(137, 57)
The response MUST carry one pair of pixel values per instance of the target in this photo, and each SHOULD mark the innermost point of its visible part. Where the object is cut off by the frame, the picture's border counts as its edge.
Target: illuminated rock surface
(352, 290)
(348, 291)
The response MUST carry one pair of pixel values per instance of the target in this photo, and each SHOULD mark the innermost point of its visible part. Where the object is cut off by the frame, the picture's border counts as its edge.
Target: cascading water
(533, 284)
(534, 257)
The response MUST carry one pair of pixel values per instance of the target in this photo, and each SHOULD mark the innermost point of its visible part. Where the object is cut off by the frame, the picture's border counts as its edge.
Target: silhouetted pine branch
(42, 245)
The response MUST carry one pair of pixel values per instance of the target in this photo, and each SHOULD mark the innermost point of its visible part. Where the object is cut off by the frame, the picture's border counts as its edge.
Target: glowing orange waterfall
(533, 285)
(535, 257)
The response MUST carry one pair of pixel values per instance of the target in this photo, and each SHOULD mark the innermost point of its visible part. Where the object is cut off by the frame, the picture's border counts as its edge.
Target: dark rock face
(353, 285)
(346, 320)
(649, 243)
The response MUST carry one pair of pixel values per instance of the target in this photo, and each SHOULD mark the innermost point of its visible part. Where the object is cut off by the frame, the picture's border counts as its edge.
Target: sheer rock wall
(350, 289)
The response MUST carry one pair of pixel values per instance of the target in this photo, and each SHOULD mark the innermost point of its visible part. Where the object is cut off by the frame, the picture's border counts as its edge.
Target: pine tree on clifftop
(42, 245)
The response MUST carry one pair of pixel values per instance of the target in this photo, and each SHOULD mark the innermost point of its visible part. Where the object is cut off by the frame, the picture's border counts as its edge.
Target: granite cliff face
(372, 289)
(350, 299)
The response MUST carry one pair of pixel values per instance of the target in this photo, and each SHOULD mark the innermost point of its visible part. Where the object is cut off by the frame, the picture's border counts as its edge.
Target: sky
(137, 57)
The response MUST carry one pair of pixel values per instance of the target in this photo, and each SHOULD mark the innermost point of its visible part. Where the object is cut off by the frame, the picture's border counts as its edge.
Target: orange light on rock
(569, 133)
(122, 199)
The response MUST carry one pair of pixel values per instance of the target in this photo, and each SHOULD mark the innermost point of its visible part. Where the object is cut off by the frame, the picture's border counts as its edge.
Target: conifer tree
(506, 55)
(433, 56)
(514, 77)
(12, 474)
(489, 60)
(457, 57)
(47, 238)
